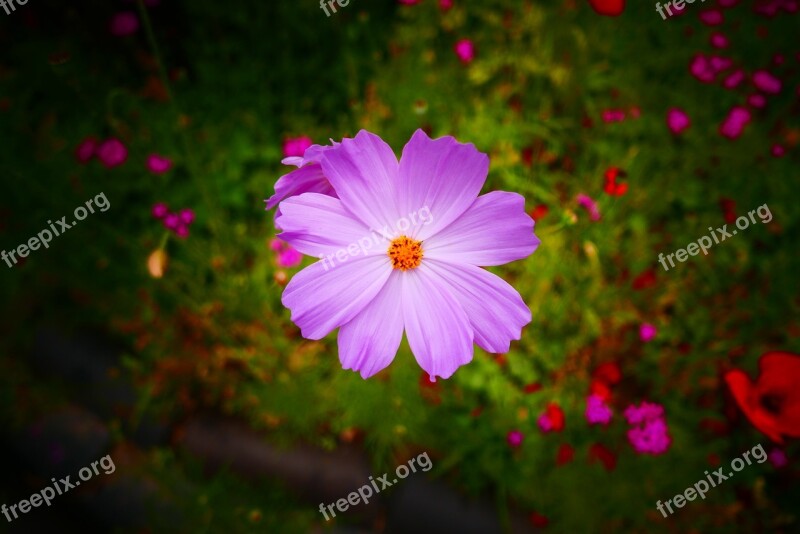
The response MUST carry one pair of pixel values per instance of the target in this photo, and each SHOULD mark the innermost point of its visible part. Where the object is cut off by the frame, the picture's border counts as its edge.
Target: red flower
(565, 454)
(612, 187)
(539, 212)
(538, 520)
(772, 403)
(608, 372)
(604, 455)
(532, 388)
(610, 8)
(600, 389)
(728, 209)
(645, 280)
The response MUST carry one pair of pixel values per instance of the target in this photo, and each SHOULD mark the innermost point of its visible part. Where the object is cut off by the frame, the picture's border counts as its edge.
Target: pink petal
(320, 299)
(494, 230)
(496, 310)
(369, 342)
(363, 171)
(442, 175)
(318, 224)
(308, 179)
(437, 327)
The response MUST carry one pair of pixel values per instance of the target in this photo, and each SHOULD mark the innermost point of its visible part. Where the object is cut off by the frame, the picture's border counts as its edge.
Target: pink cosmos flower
(514, 438)
(296, 146)
(86, 150)
(124, 23)
(766, 82)
(465, 50)
(733, 125)
(286, 256)
(308, 178)
(402, 249)
(597, 411)
(112, 153)
(677, 120)
(647, 332)
(158, 164)
(587, 203)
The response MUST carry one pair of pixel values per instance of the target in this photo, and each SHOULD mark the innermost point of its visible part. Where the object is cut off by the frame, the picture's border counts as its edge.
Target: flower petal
(369, 342)
(436, 325)
(322, 298)
(363, 172)
(496, 311)
(318, 224)
(308, 179)
(442, 175)
(493, 231)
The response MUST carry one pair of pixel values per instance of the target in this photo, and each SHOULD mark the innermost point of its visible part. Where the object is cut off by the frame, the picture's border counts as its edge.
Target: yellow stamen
(405, 253)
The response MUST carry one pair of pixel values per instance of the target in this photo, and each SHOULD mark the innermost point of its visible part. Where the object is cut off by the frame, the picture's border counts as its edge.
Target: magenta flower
(756, 100)
(677, 120)
(719, 40)
(778, 151)
(112, 153)
(650, 438)
(160, 210)
(712, 17)
(597, 411)
(296, 146)
(766, 82)
(613, 115)
(649, 433)
(172, 221)
(733, 79)
(158, 164)
(515, 438)
(86, 150)
(777, 457)
(124, 23)
(587, 203)
(402, 249)
(647, 332)
(186, 216)
(286, 256)
(465, 50)
(445, 5)
(644, 412)
(733, 125)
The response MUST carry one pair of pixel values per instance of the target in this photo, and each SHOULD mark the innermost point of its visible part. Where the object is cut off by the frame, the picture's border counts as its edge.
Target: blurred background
(153, 331)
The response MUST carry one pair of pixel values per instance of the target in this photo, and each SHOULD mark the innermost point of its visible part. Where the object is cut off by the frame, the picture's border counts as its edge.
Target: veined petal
(496, 310)
(308, 179)
(363, 172)
(318, 225)
(493, 231)
(369, 342)
(321, 298)
(437, 326)
(442, 175)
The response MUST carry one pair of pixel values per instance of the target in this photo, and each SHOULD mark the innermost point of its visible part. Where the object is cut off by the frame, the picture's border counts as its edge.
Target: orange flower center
(405, 253)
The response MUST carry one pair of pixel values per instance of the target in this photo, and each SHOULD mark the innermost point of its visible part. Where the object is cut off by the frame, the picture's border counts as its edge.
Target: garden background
(169, 349)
